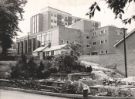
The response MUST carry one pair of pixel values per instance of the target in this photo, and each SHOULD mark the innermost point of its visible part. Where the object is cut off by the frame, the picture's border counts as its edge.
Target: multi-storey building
(49, 18)
(86, 27)
(54, 27)
(104, 38)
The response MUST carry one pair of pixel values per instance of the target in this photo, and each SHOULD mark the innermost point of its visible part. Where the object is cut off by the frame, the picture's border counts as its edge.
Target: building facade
(55, 36)
(104, 38)
(49, 18)
(54, 27)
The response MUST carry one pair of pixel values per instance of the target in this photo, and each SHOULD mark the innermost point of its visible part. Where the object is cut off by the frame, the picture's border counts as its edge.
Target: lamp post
(125, 51)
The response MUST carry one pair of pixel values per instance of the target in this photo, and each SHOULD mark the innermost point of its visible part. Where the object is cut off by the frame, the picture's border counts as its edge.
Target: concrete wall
(68, 35)
(45, 21)
(55, 37)
(85, 25)
(78, 25)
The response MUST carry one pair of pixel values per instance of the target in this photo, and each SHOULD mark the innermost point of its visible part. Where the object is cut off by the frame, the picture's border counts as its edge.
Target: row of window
(55, 15)
(62, 17)
(101, 52)
(53, 21)
(101, 42)
(102, 32)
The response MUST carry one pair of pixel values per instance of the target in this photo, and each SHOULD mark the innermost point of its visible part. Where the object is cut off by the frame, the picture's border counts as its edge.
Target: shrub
(89, 69)
(24, 69)
(40, 70)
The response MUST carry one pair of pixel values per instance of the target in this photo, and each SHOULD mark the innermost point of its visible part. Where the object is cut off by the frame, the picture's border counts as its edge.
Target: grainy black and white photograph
(67, 49)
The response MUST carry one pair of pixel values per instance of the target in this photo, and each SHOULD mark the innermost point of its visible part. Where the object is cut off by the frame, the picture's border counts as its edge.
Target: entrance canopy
(53, 48)
(39, 49)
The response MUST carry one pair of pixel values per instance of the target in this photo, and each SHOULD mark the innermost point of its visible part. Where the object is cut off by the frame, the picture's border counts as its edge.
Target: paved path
(6, 94)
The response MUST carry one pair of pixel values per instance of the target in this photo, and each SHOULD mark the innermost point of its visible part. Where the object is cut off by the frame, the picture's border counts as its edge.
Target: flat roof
(48, 7)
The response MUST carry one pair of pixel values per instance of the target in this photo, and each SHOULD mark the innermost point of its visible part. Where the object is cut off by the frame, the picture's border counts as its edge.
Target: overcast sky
(77, 8)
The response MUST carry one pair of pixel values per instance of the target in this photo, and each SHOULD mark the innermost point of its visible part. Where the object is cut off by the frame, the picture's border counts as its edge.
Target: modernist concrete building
(55, 36)
(104, 38)
(49, 18)
(54, 27)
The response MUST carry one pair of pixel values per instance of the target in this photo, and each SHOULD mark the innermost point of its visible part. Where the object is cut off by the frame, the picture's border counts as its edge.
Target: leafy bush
(24, 69)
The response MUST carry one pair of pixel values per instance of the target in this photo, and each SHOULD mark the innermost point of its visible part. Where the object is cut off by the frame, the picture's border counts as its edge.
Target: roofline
(120, 41)
(55, 9)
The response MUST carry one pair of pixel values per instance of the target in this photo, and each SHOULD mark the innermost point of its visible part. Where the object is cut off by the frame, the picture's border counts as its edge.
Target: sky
(77, 8)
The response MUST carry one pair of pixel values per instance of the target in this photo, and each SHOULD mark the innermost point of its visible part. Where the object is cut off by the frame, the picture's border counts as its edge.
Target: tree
(68, 62)
(75, 49)
(10, 14)
(117, 6)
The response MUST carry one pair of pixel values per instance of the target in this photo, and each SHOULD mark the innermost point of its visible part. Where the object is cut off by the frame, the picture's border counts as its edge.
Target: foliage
(117, 6)
(32, 68)
(10, 14)
(40, 70)
(89, 69)
(24, 69)
(45, 69)
(68, 62)
(75, 49)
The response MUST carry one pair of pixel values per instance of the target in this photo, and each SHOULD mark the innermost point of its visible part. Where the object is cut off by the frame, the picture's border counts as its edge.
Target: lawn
(114, 59)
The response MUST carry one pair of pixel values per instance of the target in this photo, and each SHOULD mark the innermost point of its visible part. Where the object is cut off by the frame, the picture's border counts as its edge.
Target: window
(101, 32)
(62, 41)
(101, 42)
(67, 41)
(94, 33)
(106, 51)
(87, 45)
(51, 14)
(52, 53)
(47, 53)
(51, 20)
(96, 24)
(102, 52)
(55, 21)
(94, 53)
(87, 37)
(66, 19)
(94, 43)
